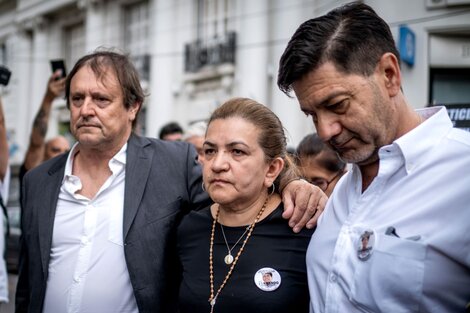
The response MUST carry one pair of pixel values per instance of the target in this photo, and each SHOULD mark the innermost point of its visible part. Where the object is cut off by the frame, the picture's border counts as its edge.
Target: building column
(40, 70)
(284, 22)
(21, 84)
(252, 54)
(161, 101)
(94, 26)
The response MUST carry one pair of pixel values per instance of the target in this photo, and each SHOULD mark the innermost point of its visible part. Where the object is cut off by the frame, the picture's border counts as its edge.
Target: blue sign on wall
(407, 45)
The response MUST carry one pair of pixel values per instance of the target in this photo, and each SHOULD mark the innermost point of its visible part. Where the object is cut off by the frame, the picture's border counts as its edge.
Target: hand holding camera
(59, 65)
(56, 84)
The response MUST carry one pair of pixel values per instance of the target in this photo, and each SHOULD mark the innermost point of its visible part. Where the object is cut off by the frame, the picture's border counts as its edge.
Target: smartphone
(4, 75)
(59, 65)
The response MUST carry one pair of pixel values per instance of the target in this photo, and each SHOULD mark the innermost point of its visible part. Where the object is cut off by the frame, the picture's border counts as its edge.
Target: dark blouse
(272, 245)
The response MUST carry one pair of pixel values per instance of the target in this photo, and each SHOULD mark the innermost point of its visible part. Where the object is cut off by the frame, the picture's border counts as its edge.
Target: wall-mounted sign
(407, 45)
(460, 115)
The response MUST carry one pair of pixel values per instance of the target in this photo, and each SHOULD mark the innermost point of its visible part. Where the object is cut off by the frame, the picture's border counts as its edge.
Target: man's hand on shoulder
(303, 204)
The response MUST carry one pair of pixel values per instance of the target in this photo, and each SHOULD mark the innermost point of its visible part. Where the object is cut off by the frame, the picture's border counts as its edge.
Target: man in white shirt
(395, 233)
(99, 223)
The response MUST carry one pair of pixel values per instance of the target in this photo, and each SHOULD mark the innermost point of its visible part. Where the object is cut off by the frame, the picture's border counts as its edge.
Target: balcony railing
(217, 51)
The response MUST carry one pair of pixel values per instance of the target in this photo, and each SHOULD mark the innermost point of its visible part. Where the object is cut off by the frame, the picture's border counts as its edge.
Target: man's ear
(134, 108)
(389, 72)
(274, 169)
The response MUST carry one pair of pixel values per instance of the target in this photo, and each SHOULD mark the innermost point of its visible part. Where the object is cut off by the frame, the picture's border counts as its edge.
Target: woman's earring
(203, 188)
(272, 191)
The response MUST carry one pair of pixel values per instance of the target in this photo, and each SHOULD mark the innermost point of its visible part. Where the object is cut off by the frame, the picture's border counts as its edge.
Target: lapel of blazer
(48, 208)
(139, 161)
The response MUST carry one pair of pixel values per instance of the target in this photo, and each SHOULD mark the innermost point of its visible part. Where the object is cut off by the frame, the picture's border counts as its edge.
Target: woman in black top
(239, 255)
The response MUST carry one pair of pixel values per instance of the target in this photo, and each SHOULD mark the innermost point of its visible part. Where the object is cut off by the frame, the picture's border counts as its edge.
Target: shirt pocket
(115, 222)
(393, 274)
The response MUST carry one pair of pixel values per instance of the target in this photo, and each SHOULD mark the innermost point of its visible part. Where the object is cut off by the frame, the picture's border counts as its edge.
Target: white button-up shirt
(87, 269)
(416, 215)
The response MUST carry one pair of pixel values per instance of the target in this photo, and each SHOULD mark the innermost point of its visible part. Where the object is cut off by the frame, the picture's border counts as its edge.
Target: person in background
(171, 131)
(319, 164)
(291, 152)
(99, 223)
(40, 150)
(195, 136)
(55, 146)
(4, 186)
(408, 190)
(256, 263)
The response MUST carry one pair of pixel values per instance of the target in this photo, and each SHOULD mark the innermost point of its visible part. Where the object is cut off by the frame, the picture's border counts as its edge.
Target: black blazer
(163, 180)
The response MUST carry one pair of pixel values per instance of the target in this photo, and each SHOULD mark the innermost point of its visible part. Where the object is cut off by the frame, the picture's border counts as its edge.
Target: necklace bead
(212, 298)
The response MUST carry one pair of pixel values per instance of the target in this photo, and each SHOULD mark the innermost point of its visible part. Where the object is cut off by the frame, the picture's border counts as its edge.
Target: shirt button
(333, 278)
(76, 279)
(85, 241)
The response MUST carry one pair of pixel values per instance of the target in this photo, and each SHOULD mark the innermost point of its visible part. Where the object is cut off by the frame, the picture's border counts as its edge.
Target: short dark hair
(170, 128)
(311, 145)
(100, 62)
(351, 36)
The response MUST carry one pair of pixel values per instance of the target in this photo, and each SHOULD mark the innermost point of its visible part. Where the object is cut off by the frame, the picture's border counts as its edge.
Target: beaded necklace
(212, 298)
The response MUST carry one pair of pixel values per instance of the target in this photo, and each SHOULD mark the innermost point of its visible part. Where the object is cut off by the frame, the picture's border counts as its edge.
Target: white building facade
(195, 54)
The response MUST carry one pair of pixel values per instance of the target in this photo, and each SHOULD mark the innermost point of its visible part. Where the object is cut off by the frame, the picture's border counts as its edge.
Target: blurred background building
(194, 54)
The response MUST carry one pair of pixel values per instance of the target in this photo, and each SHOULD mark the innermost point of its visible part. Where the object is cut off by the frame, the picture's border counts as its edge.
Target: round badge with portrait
(365, 245)
(267, 279)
